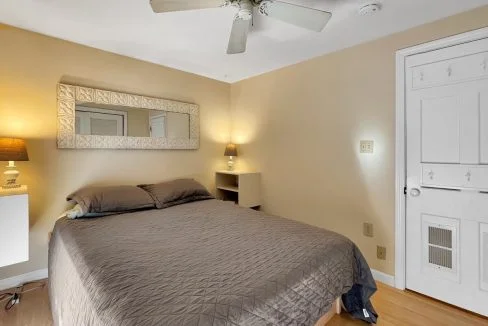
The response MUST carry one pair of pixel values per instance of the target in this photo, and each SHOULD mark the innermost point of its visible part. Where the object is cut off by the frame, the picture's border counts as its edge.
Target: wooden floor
(394, 307)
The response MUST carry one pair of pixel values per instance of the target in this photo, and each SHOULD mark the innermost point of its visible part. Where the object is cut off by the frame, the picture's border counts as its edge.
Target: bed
(201, 263)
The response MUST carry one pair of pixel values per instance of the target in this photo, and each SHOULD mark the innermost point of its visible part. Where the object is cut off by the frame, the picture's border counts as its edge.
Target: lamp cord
(13, 297)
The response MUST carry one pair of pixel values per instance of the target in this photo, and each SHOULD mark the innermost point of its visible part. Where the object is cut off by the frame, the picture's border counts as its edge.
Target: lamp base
(230, 164)
(11, 176)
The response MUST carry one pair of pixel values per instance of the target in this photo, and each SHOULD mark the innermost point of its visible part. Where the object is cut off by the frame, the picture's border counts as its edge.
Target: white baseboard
(14, 281)
(383, 277)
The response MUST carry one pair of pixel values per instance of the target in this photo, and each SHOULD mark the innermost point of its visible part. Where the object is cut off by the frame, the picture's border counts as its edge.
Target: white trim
(383, 277)
(400, 172)
(14, 281)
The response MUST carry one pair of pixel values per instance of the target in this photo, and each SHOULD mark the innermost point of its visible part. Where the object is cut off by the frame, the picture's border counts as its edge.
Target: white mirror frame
(69, 95)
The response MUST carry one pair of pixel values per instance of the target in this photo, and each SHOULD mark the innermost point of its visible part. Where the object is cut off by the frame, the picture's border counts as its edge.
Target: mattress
(202, 263)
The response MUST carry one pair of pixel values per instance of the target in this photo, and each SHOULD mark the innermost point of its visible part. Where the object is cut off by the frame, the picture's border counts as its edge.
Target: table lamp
(11, 150)
(231, 151)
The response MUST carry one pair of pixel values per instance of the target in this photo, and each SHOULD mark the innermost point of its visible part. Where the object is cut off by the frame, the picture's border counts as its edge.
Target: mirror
(130, 122)
(93, 118)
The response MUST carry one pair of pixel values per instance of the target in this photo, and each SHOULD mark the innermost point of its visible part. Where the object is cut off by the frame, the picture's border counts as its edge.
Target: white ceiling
(196, 41)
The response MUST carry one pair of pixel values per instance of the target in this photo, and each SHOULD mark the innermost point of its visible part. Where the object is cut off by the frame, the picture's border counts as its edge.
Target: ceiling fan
(308, 18)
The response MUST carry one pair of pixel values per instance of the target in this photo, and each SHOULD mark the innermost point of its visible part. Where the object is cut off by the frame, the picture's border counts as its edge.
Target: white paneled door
(447, 175)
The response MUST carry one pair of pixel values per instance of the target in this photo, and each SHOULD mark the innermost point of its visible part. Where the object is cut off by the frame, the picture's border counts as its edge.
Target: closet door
(447, 175)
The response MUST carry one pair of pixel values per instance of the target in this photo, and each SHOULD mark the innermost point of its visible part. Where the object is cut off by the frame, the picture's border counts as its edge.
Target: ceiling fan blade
(312, 19)
(238, 36)
(181, 5)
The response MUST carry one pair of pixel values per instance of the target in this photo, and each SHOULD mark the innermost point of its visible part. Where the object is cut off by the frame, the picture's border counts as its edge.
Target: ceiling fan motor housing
(245, 8)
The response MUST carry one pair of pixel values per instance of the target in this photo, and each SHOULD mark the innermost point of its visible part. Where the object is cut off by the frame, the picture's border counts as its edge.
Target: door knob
(415, 192)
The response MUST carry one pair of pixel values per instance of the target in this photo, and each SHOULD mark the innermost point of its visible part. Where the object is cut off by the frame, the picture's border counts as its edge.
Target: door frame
(400, 145)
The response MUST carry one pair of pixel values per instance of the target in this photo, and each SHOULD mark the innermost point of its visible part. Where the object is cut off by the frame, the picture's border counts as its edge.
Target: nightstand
(243, 188)
(14, 225)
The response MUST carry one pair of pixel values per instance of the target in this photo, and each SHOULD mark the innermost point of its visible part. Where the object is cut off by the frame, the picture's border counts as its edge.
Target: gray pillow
(176, 192)
(99, 201)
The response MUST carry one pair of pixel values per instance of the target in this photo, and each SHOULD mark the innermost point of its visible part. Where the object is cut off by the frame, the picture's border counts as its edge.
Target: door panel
(484, 256)
(447, 199)
(469, 112)
(440, 130)
(484, 126)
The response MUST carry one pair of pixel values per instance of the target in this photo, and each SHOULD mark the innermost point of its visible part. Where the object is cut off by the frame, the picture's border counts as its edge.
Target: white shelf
(243, 188)
(228, 188)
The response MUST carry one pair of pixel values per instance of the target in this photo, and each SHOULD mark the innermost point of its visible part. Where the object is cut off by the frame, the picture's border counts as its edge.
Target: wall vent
(440, 237)
(440, 246)
(440, 257)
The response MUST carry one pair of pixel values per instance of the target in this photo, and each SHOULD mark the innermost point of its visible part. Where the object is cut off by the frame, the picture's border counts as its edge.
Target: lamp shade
(230, 150)
(13, 149)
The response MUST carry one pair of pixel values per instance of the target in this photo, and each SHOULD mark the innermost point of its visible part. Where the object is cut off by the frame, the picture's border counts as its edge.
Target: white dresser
(14, 226)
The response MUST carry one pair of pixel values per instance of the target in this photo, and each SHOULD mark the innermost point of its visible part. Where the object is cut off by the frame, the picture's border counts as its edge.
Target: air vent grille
(440, 246)
(440, 237)
(440, 257)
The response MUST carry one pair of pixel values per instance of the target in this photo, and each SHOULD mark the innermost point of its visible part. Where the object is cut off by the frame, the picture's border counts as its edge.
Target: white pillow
(73, 213)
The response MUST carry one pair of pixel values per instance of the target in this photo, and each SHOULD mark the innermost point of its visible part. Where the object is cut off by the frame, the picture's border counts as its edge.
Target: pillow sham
(176, 192)
(97, 201)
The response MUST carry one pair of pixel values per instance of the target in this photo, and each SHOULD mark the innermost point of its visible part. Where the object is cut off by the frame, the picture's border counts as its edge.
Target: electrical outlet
(366, 146)
(368, 229)
(381, 252)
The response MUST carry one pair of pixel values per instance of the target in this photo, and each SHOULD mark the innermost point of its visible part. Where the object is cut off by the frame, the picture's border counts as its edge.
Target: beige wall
(301, 125)
(30, 67)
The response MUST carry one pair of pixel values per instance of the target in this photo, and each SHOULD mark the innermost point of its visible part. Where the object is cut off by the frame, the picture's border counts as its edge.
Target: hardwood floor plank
(33, 309)
(397, 307)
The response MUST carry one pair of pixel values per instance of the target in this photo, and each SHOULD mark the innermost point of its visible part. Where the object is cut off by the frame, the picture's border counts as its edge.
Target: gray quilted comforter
(201, 263)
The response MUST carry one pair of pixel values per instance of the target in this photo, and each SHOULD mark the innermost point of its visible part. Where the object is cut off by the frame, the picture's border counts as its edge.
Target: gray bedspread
(201, 263)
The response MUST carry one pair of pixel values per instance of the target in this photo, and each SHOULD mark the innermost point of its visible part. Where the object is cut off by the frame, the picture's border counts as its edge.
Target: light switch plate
(366, 146)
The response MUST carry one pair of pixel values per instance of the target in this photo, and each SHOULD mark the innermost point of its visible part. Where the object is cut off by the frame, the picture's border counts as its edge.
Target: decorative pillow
(96, 201)
(176, 192)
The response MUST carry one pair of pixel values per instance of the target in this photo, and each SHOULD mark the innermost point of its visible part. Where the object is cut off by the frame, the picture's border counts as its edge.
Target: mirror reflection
(108, 120)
